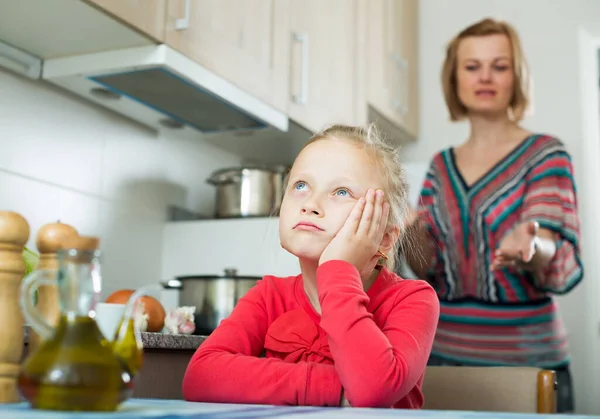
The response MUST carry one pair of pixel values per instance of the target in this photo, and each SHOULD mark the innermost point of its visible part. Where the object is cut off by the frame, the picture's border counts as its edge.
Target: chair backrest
(492, 389)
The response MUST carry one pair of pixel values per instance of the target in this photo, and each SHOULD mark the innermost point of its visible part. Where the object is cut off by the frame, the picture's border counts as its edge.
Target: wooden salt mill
(14, 233)
(48, 241)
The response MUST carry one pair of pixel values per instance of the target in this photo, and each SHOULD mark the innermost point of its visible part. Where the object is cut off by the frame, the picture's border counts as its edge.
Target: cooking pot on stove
(248, 191)
(214, 296)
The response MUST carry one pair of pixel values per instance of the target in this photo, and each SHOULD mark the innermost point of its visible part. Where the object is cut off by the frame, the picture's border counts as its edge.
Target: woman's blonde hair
(520, 97)
(386, 160)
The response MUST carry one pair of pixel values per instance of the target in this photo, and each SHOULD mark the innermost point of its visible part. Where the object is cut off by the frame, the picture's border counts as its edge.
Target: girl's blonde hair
(520, 97)
(387, 161)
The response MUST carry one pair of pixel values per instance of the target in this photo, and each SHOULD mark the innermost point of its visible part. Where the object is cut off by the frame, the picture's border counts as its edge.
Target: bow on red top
(295, 337)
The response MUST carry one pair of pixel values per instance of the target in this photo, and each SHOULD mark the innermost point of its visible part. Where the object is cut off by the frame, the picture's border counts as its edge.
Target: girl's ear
(389, 239)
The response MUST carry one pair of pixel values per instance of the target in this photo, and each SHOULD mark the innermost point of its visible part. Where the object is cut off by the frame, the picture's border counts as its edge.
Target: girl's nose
(311, 207)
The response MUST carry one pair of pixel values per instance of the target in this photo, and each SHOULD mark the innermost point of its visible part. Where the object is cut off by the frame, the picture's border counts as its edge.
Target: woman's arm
(551, 201)
(377, 367)
(416, 245)
(226, 368)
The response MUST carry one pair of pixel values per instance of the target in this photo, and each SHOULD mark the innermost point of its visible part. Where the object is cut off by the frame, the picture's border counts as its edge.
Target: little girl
(347, 330)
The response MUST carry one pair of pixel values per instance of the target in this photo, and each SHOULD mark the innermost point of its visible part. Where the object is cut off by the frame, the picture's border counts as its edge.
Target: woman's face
(484, 74)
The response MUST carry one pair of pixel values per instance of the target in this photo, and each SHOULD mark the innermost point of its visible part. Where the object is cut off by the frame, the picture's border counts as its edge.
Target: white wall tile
(131, 245)
(63, 158)
(49, 136)
(41, 203)
(207, 247)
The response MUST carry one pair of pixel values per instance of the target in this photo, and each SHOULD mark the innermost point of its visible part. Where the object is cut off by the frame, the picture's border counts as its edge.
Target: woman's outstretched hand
(518, 247)
(359, 239)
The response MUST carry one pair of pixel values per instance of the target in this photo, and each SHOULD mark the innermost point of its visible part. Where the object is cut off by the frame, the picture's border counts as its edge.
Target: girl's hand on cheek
(359, 239)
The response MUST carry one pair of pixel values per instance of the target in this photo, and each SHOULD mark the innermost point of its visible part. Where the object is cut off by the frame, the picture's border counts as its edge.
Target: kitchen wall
(550, 37)
(62, 158)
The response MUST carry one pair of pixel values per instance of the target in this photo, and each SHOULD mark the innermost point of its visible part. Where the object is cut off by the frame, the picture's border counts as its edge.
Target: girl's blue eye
(299, 186)
(341, 192)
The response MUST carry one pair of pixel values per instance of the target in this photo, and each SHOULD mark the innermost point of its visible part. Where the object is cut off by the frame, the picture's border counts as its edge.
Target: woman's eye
(501, 68)
(300, 186)
(471, 68)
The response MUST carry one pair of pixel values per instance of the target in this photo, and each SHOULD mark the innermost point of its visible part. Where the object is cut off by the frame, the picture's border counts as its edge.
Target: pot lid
(228, 273)
(230, 174)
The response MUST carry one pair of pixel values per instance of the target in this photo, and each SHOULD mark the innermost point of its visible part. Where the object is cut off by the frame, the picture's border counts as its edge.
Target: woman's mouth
(485, 93)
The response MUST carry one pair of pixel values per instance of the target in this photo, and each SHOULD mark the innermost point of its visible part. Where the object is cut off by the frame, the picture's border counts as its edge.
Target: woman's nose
(485, 75)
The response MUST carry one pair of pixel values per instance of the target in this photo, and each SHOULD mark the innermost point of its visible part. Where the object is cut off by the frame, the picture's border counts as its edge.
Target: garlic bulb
(180, 321)
(140, 318)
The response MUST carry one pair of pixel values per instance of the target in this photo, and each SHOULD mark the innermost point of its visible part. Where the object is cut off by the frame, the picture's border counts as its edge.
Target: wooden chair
(492, 389)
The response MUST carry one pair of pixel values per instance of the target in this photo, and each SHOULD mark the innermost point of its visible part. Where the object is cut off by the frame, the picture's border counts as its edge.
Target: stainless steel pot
(214, 296)
(247, 191)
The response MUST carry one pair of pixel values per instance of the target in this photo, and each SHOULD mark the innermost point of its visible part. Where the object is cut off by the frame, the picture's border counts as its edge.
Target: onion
(151, 307)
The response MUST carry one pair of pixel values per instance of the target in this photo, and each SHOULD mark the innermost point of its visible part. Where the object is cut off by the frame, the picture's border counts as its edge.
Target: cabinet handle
(400, 103)
(184, 22)
(302, 98)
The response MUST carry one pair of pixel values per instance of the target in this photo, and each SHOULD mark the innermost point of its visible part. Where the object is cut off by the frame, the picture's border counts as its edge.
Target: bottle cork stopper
(50, 236)
(14, 228)
(80, 242)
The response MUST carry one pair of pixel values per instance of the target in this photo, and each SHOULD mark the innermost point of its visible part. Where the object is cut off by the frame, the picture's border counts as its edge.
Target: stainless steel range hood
(158, 86)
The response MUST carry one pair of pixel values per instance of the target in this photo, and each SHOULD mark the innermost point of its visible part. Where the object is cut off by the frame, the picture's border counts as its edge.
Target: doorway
(589, 206)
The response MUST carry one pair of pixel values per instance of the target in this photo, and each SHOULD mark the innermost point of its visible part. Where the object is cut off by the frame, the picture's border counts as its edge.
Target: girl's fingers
(377, 214)
(367, 214)
(353, 220)
(383, 222)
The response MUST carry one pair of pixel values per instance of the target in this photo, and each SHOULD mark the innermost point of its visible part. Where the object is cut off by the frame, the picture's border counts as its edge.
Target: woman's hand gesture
(518, 247)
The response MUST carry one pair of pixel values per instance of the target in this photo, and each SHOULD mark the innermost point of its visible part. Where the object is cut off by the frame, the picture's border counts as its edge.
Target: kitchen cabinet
(312, 62)
(61, 28)
(297, 55)
(245, 42)
(322, 62)
(148, 17)
(392, 63)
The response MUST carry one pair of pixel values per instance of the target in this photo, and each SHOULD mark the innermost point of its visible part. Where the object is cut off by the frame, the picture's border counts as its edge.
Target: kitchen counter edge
(157, 340)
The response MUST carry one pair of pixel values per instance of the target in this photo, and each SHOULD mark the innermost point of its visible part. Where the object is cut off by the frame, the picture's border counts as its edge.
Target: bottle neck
(79, 281)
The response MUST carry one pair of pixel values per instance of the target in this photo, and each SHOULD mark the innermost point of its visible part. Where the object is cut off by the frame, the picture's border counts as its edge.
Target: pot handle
(172, 284)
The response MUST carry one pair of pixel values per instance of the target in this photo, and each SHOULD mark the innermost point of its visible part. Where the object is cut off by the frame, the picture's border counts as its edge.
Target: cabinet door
(147, 16)
(322, 62)
(243, 41)
(392, 69)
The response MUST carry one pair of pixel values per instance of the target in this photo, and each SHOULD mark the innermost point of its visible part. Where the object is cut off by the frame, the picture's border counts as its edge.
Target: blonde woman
(497, 223)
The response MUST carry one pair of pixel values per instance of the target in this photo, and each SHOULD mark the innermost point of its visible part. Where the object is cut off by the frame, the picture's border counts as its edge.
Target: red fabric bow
(294, 337)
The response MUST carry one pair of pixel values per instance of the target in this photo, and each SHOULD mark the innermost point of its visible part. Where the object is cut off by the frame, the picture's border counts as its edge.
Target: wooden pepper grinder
(49, 240)
(14, 233)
